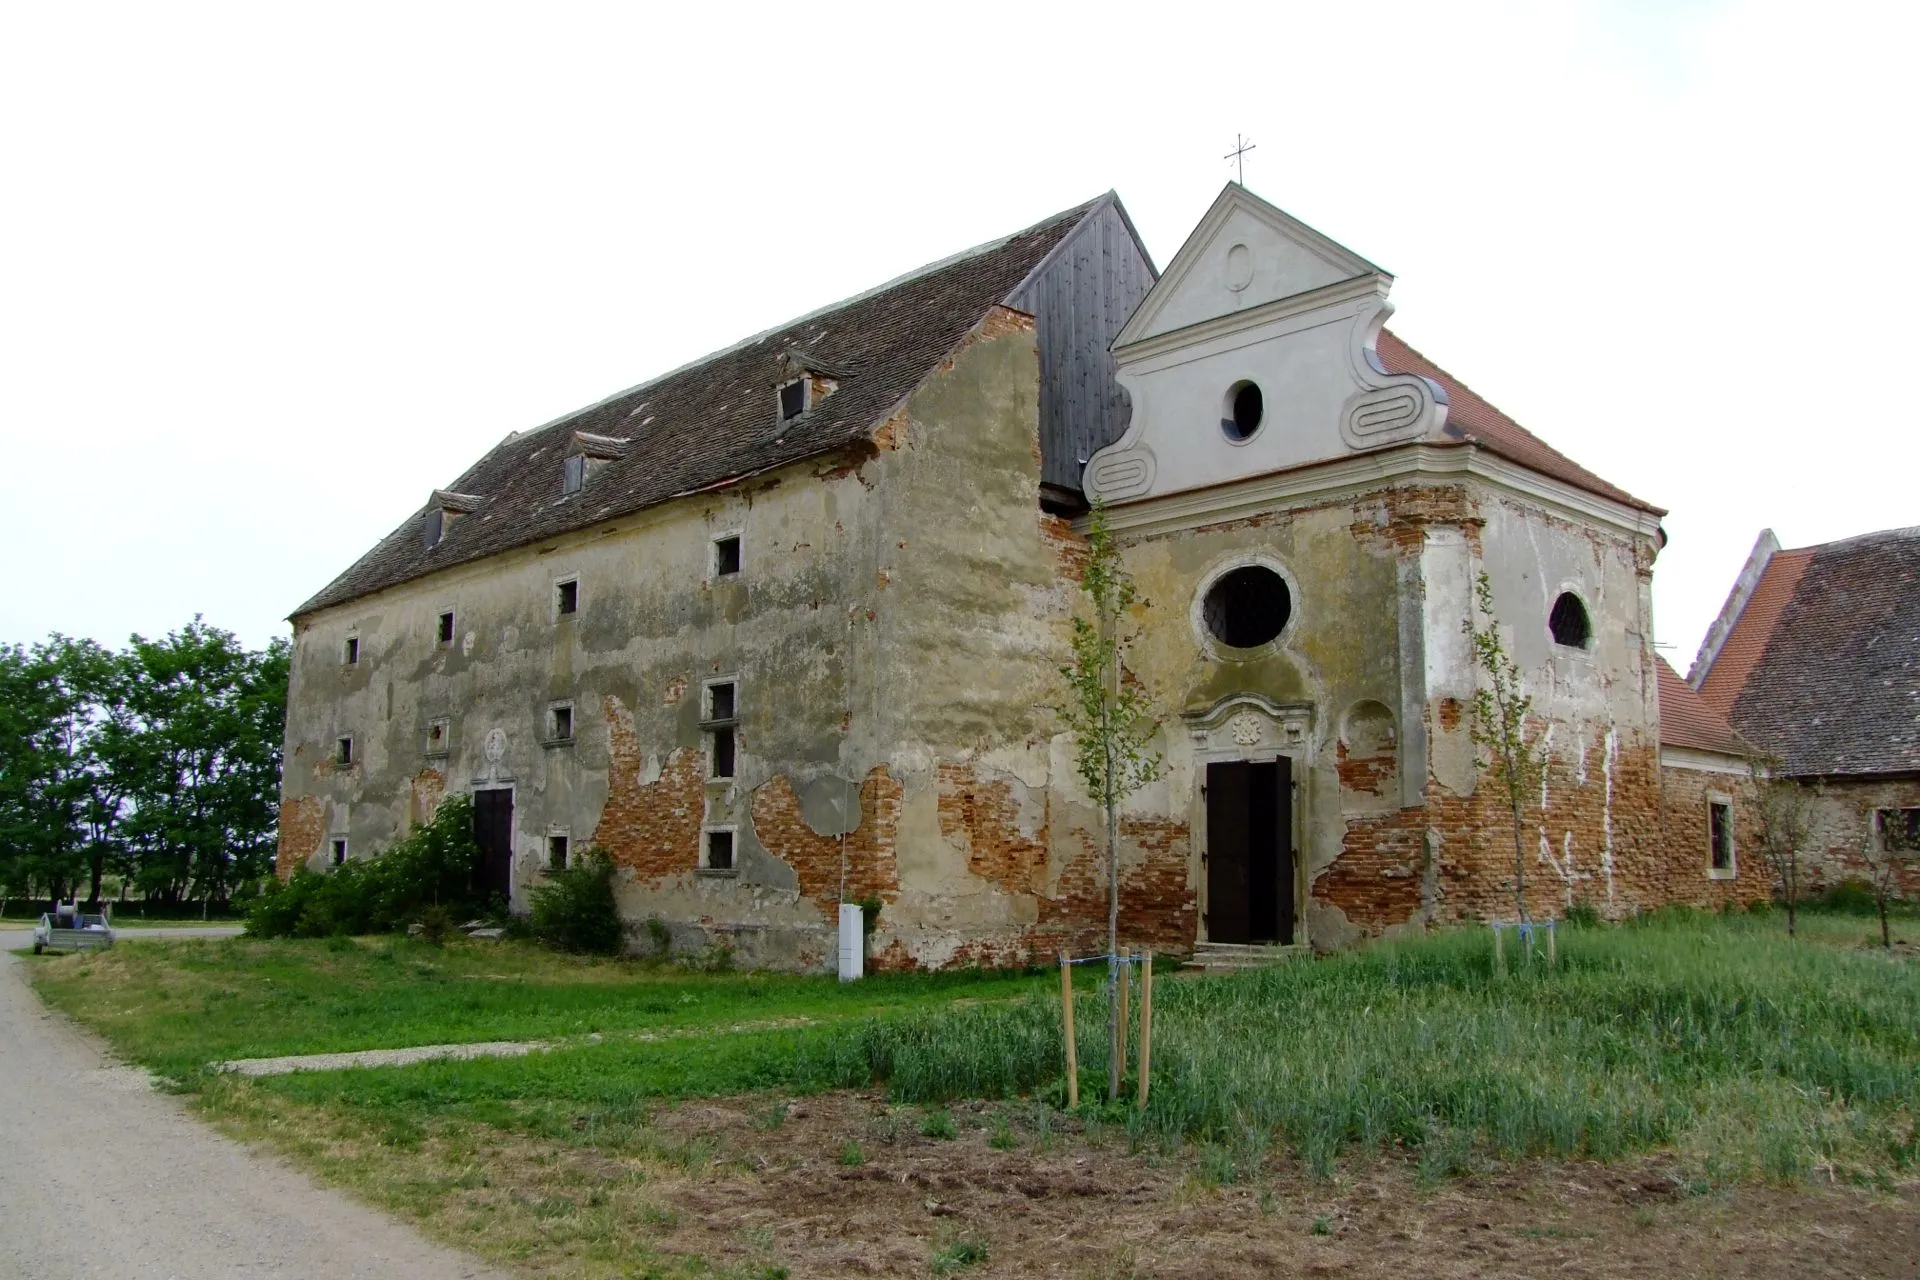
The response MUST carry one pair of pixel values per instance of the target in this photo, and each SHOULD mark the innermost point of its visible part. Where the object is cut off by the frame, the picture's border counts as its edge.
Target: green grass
(1752, 1056)
(176, 1005)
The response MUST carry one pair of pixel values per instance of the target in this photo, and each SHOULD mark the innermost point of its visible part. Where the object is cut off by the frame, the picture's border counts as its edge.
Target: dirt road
(101, 1177)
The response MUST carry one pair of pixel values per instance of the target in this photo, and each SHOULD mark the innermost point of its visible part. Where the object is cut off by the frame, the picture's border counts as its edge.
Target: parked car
(71, 931)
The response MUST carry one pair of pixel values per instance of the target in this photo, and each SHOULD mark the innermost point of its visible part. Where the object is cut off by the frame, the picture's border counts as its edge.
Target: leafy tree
(1785, 813)
(1112, 725)
(1500, 709)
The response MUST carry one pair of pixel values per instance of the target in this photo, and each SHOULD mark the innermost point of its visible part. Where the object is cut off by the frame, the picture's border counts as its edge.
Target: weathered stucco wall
(1841, 830)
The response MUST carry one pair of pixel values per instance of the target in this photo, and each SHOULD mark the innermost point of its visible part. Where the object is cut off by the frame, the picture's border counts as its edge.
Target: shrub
(437, 925)
(1849, 897)
(575, 910)
(1582, 915)
(432, 865)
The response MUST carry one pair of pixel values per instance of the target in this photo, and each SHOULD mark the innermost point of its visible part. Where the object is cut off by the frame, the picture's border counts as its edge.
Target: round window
(1247, 607)
(1245, 409)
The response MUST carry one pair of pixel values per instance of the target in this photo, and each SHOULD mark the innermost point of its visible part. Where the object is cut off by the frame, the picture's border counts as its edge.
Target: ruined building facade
(783, 628)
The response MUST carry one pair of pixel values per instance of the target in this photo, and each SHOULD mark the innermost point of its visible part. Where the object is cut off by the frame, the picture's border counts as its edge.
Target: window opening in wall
(1247, 607)
(1569, 622)
(575, 476)
(560, 723)
(793, 399)
(726, 555)
(1720, 834)
(343, 751)
(444, 633)
(352, 655)
(339, 853)
(1246, 409)
(557, 852)
(722, 715)
(722, 753)
(721, 701)
(437, 735)
(720, 850)
(566, 597)
(1899, 829)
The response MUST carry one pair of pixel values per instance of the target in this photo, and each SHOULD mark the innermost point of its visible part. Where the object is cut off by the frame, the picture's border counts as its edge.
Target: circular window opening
(1569, 622)
(1245, 408)
(1247, 607)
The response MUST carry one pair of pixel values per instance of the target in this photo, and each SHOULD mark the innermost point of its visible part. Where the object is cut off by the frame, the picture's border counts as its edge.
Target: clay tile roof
(1687, 721)
(1482, 424)
(1747, 640)
(716, 421)
(1833, 683)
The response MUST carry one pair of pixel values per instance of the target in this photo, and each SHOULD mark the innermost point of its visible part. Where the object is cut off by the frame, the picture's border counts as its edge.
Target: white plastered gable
(1256, 296)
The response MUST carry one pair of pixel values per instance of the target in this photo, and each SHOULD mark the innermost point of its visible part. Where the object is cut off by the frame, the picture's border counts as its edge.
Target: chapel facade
(783, 628)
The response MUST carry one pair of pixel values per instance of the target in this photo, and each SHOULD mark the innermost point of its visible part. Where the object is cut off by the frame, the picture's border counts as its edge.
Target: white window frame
(452, 615)
(445, 724)
(1732, 869)
(732, 832)
(547, 851)
(713, 555)
(350, 649)
(350, 757)
(579, 601)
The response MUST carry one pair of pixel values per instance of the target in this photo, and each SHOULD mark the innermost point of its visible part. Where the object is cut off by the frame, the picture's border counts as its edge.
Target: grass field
(1742, 1055)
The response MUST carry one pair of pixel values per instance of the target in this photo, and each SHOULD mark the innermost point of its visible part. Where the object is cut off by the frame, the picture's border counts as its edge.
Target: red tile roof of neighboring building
(1482, 424)
(1747, 640)
(1687, 721)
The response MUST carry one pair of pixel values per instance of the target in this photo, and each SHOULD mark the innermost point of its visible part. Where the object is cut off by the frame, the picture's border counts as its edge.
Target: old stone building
(782, 628)
(1815, 659)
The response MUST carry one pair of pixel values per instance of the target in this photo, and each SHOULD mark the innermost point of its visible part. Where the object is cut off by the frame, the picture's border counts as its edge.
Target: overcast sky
(271, 273)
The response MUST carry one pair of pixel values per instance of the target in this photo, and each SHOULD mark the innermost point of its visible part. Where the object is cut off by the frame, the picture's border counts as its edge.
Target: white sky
(272, 273)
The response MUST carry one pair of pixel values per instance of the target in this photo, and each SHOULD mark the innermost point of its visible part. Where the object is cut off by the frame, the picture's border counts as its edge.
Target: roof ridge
(1903, 534)
(905, 278)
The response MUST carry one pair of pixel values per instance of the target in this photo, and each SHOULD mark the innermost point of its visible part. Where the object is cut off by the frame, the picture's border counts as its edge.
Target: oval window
(1247, 607)
(1246, 408)
(1569, 622)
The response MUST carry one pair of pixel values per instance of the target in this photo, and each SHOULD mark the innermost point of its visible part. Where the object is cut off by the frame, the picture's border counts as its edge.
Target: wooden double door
(1250, 855)
(493, 832)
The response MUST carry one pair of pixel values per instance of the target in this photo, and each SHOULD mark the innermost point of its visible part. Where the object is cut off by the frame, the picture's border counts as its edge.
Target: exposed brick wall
(1841, 816)
(1684, 828)
(652, 829)
(982, 816)
(303, 825)
(872, 871)
(427, 789)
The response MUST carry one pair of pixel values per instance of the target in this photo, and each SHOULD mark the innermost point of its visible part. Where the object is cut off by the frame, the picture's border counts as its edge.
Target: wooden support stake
(1499, 952)
(1551, 934)
(1120, 1045)
(1146, 1025)
(1066, 1015)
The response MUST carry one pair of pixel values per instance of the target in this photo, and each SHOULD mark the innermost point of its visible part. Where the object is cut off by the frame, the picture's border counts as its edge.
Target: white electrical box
(853, 942)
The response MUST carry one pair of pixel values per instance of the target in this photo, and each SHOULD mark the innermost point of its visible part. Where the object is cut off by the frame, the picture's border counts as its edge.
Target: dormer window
(793, 399)
(587, 456)
(444, 510)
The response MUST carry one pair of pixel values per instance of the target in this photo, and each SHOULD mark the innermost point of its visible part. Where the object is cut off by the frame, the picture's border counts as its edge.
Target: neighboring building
(1815, 659)
(1708, 797)
(782, 628)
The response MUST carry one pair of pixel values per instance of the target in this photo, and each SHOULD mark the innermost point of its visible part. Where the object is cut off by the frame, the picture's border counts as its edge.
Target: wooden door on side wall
(493, 832)
(1250, 870)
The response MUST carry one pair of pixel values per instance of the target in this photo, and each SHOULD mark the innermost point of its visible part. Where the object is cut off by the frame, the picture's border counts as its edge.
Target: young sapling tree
(1500, 708)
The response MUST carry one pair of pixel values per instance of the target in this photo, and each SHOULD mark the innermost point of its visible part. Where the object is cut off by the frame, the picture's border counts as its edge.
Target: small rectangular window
(1720, 834)
(352, 655)
(445, 632)
(721, 701)
(576, 474)
(557, 852)
(566, 597)
(793, 399)
(343, 751)
(439, 735)
(726, 555)
(560, 723)
(722, 753)
(720, 850)
(1899, 830)
(339, 850)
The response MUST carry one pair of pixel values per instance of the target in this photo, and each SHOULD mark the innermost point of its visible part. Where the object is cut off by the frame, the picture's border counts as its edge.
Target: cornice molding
(1301, 486)
(1705, 762)
(1188, 340)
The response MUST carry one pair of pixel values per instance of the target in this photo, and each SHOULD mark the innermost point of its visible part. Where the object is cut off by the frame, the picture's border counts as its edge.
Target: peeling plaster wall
(1840, 821)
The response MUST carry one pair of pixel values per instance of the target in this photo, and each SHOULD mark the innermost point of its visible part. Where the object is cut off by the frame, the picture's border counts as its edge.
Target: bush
(437, 925)
(575, 910)
(432, 865)
(1849, 897)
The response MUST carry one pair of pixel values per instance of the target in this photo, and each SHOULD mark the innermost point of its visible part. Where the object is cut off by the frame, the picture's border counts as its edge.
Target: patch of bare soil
(1064, 1204)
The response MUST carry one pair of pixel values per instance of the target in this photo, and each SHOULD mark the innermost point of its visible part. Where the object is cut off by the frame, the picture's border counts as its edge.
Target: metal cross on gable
(1239, 157)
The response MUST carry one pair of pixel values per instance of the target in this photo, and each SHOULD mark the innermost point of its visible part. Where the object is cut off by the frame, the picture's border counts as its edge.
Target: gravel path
(104, 1178)
(381, 1057)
